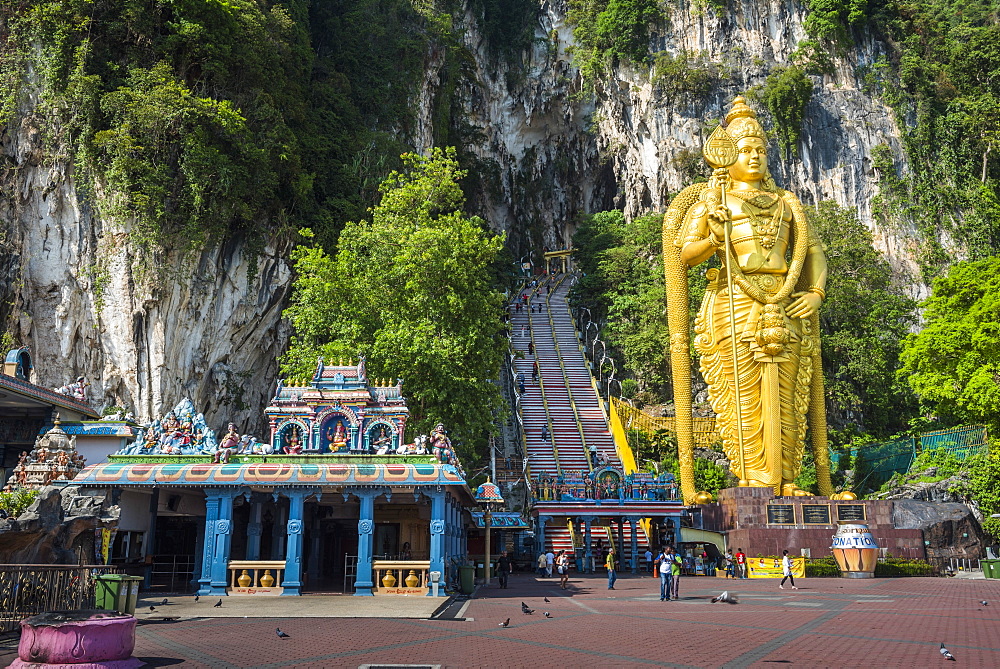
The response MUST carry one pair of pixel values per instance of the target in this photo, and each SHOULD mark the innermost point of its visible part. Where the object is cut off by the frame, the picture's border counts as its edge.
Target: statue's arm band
(819, 291)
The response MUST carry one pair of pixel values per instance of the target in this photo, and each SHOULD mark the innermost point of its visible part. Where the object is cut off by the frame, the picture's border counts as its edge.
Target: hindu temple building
(28, 410)
(334, 500)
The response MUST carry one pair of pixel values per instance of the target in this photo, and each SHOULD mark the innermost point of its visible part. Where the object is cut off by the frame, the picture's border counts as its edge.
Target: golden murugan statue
(757, 331)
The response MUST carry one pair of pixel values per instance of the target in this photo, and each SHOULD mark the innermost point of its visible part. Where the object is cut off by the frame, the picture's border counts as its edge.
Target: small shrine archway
(374, 433)
(283, 433)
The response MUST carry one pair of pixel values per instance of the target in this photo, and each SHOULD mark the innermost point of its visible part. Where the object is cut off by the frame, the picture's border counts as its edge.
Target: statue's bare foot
(792, 490)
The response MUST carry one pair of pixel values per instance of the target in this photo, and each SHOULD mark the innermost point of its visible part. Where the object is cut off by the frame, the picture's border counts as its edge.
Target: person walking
(786, 569)
(741, 563)
(675, 572)
(649, 560)
(562, 563)
(541, 564)
(665, 574)
(609, 564)
(729, 565)
(503, 569)
(550, 561)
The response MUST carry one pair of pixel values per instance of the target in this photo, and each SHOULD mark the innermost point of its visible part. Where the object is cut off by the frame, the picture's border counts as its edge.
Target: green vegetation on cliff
(192, 120)
(943, 80)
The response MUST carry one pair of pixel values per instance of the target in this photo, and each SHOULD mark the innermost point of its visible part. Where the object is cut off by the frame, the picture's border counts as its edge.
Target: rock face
(637, 143)
(950, 529)
(201, 327)
(143, 336)
(58, 528)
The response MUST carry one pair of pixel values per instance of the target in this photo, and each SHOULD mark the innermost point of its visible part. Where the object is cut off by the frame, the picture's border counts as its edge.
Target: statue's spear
(720, 151)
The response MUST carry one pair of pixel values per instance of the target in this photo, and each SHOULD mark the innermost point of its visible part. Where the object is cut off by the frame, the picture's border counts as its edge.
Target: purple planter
(77, 640)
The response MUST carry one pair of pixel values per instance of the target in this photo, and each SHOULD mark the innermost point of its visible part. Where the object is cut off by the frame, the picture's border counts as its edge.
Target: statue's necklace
(765, 228)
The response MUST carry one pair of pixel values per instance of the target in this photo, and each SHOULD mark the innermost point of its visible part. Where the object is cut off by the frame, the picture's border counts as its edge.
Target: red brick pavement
(826, 623)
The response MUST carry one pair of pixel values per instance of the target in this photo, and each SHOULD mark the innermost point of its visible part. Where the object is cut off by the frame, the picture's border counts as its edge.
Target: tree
(863, 323)
(953, 364)
(623, 282)
(984, 486)
(412, 290)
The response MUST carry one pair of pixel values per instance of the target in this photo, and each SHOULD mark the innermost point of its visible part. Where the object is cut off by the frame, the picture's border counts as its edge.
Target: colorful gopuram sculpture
(757, 330)
(183, 431)
(53, 458)
(338, 410)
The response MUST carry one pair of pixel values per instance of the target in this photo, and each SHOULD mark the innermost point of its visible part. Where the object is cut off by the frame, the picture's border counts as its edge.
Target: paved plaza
(826, 623)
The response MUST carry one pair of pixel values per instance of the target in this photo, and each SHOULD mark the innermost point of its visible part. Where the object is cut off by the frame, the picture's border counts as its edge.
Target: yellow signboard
(770, 567)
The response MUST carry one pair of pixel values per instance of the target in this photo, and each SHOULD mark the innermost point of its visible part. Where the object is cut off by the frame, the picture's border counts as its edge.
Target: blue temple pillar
(635, 544)
(366, 530)
(208, 542)
(540, 534)
(438, 523)
(254, 529)
(292, 584)
(218, 540)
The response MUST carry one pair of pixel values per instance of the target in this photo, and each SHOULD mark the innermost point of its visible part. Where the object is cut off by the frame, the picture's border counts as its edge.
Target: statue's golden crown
(741, 121)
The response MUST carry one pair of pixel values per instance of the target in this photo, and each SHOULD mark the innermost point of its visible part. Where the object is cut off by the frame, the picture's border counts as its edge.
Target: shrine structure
(334, 501)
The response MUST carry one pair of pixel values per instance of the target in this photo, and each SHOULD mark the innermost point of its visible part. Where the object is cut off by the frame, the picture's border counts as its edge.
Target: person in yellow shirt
(609, 564)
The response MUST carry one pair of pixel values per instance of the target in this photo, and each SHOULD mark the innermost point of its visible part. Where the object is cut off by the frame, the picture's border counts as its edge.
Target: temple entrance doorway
(333, 550)
(173, 563)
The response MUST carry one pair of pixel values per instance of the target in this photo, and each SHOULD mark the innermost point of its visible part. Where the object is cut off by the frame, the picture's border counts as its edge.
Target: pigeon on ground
(196, 598)
(217, 604)
(525, 609)
(164, 602)
(546, 600)
(547, 614)
(726, 597)
(946, 654)
(984, 603)
(282, 635)
(152, 608)
(505, 623)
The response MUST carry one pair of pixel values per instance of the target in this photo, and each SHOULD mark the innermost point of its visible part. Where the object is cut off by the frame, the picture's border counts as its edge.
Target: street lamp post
(487, 495)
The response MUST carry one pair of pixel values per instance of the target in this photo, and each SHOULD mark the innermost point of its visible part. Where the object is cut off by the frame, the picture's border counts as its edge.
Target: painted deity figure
(294, 445)
(382, 443)
(757, 330)
(440, 443)
(228, 446)
(337, 438)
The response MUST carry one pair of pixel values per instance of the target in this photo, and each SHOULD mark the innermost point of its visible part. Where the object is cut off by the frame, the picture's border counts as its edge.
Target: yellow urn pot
(244, 579)
(412, 580)
(266, 581)
(389, 581)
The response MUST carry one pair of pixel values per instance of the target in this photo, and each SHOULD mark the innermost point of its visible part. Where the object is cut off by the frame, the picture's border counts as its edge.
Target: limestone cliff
(631, 147)
(204, 329)
(144, 336)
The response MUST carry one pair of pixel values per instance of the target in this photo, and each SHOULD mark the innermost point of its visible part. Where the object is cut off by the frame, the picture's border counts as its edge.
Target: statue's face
(751, 163)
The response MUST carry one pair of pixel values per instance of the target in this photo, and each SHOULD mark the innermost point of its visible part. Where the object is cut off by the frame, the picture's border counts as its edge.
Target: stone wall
(905, 528)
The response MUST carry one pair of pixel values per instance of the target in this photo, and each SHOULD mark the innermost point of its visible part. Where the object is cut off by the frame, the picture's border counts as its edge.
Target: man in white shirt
(550, 559)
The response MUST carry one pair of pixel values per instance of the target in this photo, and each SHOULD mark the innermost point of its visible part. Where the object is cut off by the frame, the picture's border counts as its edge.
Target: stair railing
(562, 367)
(541, 386)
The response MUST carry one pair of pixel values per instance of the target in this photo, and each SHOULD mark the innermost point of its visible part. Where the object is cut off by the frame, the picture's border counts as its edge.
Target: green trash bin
(133, 583)
(481, 570)
(468, 579)
(117, 592)
(991, 568)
